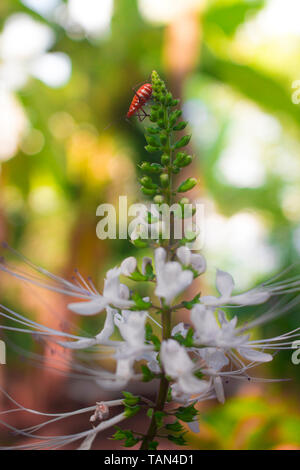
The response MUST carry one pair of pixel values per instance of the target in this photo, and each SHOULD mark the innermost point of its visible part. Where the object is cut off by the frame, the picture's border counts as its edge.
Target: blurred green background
(67, 69)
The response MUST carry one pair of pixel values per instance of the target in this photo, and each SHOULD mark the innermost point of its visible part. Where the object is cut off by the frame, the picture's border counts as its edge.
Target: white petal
(184, 255)
(190, 384)
(194, 426)
(214, 358)
(108, 327)
(179, 328)
(175, 359)
(160, 256)
(207, 328)
(91, 307)
(219, 389)
(255, 356)
(252, 297)
(198, 263)
(128, 266)
(224, 283)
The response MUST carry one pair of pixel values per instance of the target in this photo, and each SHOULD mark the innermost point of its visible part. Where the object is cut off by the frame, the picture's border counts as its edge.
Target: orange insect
(142, 95)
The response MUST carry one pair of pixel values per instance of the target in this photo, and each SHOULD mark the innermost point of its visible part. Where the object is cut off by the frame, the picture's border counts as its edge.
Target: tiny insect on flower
(142, 95)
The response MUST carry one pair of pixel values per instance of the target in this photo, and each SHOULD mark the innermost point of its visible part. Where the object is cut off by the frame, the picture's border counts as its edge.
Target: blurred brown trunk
(182, 52)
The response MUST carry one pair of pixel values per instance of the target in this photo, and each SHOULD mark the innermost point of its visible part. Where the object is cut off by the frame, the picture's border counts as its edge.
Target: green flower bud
(186, 185)
(180, 126)
(161, 113)
(163, 138)
(165, 159)
(151, 149)
(152, 130)
(169, 99)
(175, 102)
(175, 170)
(184, 200)
(158, 199)
(164, 179)
(151, 167)
(182, 159)
(161, 123)
(151, 140)
(174, 116)
(153, 116)
(183, 141)
(148, 192)
(148, 183)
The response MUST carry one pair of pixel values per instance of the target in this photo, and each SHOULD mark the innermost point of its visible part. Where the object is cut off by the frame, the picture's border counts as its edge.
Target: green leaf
(130, 399)
(228, 17)
(139, 302)
(139, 243)
(148, 332)
(179, 440)
(150, 412)
(131, 410)
(131, 441)
(159, 418)
(148, 375)
(169, 396)
(153, 445)
(187, 413)
(156, 341)
(138, 277)
(179, 338)
(120, 434)
(190, 304)
(175, 427)
(253, 84)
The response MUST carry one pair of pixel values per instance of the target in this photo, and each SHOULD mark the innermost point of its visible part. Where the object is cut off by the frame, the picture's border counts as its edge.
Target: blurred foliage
(89, 155)
(251, 423)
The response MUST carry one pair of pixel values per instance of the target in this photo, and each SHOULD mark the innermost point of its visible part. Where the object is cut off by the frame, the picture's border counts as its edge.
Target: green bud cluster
(160, 138)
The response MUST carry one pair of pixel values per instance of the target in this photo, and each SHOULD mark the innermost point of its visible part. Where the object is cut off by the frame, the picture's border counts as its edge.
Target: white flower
(128, 266)
(147, 223)
(179, 366)
(187, 258)
(181, 329)
(114, 293)
(215, 361)
(171, 279)
(132, 328)
(225, 285)
(223, 335)
(100, 338)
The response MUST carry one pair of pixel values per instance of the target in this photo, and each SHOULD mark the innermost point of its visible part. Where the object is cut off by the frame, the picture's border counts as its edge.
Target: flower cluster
(190, 361)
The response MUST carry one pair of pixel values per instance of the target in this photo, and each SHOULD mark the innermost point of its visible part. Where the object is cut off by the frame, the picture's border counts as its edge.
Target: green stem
(166, 311)
(163, 386)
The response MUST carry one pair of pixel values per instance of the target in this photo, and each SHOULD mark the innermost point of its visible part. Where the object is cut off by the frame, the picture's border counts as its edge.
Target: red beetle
(142, 95)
